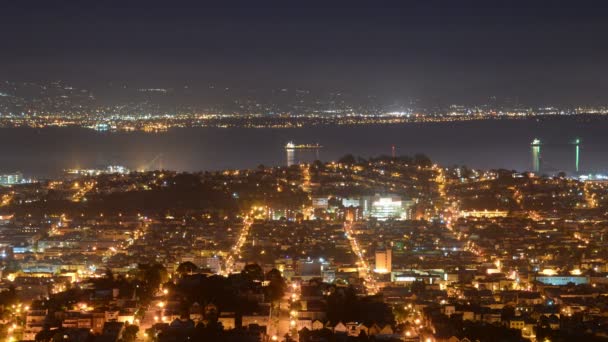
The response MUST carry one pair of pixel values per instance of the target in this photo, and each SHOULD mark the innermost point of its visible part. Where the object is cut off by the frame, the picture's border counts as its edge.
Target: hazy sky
(540, 52)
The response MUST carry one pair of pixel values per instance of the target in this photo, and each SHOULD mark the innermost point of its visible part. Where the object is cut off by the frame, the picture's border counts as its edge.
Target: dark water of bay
(482, 144)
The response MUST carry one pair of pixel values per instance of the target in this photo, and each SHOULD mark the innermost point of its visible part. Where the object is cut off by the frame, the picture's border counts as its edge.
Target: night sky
(539, 52)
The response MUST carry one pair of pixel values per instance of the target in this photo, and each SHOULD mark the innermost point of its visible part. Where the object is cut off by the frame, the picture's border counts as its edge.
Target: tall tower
(577, 154)
(536, 155)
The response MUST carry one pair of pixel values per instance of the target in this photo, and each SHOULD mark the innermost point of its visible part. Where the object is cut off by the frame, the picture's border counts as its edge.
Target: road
(365, 269)
(235, 251)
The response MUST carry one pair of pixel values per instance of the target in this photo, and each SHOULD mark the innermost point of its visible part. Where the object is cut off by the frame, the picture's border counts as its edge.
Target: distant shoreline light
(164, 122)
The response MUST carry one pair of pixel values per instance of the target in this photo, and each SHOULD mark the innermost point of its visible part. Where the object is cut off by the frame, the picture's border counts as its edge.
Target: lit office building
(11, 178)
(320, 202)
(384, 208)
(384, 262)
(351, 202)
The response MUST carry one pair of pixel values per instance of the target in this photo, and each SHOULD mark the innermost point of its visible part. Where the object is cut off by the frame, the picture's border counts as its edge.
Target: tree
(209, 332)
(422, 160)
(507, 313)
(9, 297)
(318, 165)
(151, 277)
(109, 274)
(304, 334)
(44, 335)
(348, 159)
(418, 287)
(362, 336)
(186, 268)
(130, 333)
(276, 287)
(253, 272)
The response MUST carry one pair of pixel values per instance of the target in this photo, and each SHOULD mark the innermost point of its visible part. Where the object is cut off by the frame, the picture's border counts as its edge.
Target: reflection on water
(291, 155)
(301, 156)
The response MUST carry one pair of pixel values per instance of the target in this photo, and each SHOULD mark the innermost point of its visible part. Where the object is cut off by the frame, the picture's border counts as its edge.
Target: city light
(413, 173)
